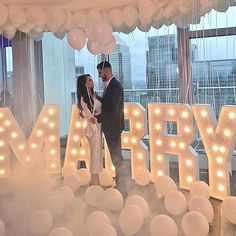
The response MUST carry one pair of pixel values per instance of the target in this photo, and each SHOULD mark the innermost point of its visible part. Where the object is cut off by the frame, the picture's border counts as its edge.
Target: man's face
(101, 74)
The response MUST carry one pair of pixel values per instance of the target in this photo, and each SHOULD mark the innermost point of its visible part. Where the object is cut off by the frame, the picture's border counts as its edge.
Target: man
(112, 117)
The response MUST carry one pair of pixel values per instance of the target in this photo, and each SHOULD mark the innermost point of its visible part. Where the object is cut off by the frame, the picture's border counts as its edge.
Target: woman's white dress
(93, 133)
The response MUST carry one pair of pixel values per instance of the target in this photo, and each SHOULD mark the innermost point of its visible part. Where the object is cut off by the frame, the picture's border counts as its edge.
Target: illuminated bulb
(73, 151)
(51, 125)
(222, 149)
(159, 158)
(186, 129)
(221, 187)
(171, 112)
(158, 126)
(185, 114)
(39, 132)
(138, 125)
(85, 124)
(232, 115)
(2, 172)
(125, 110)
(133, 140)
(227, 132)
(21, 147)
(76, 138)
(1, 115)
(160, 173)
(51, 111)
(113, 168)
(82, 151)
(189, 179)
(136, 112)
(7, 122)
(203, 113)
(215, 148)
(126, 140)
(219, 160)
(77, 124)
(53, 152)
(1, 143)
(157, 111)
(158, 142)
(52, 138)
(209, 130)
(33, 145)
(53, 165)
(1, 158)
(188, 162)
(140, 156)
(172, 144)
(27, 159)
(1, 129)
(219, 173)
(45, 120)
(182, 145)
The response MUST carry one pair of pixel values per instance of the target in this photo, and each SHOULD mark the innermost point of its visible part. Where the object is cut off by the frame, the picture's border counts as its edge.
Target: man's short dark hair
(104, 64)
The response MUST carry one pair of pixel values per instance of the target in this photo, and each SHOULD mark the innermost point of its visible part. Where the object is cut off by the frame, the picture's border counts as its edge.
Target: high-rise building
(79, 70)
(121, 64)
(161, 68)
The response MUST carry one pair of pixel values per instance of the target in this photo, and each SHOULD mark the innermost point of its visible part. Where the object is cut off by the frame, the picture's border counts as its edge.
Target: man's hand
(93, 120)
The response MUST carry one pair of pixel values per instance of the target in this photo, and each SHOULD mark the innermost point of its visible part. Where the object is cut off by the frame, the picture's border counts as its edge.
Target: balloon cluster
(95, 27)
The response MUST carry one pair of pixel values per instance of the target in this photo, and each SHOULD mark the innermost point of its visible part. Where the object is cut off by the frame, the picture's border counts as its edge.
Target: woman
(90, 106)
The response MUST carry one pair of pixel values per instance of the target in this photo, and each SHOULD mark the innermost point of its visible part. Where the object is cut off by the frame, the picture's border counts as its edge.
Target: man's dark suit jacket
(112, 116)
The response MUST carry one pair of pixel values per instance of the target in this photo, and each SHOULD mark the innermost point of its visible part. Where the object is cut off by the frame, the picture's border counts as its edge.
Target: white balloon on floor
(200, 188)
(94, 195)
(72, 181)
(142, 176)
(61, 231)
(84, 175)
(104, 230)
(229, 208)
(163, 225)
(131, 219)
(164, 184)
(195, 224)
(66, 194)
(112, 199)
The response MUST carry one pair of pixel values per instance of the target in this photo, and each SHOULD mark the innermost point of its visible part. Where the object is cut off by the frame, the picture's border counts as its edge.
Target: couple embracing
(104, 114)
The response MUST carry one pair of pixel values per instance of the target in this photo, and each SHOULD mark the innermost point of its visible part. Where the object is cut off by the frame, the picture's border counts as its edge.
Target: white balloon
(146, 8)
(2, 228)
(85, 176)
(200, 188)
(107, 49)
(175, 203)
(94, 195)
(60, 35)
(202, 205)
(80, 19)
(130, 15)
(105, 176)
(95, 219)
(40, 223)
(72, 181)
(112, 199)
(66, 194)
(142, 176)
(89, 30)
(195, 224)
(140, 202)
(221, 5)
(102, 32)
(104, 230)
(36, 15)
(229, 208)
(77, 39)
(25, 28)
(164, 184)
(16, 15)
(3, 13)
(61, 231)
(163, 225)
(68, 169)
(93, 47)
(115, 18)
(94, 15)
(131, 219)
(57, 17)
(54, 204)
(9, 34)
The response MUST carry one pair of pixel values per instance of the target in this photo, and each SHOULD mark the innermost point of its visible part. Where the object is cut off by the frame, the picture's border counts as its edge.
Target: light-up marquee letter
(77, 148)
(163, 143)
(45, 132)
(219, 142)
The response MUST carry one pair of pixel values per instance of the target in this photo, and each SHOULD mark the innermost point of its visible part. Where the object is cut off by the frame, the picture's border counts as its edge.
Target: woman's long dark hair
(83, 93)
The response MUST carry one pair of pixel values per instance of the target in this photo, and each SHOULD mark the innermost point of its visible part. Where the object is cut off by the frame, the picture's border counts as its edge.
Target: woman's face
(89, 82)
